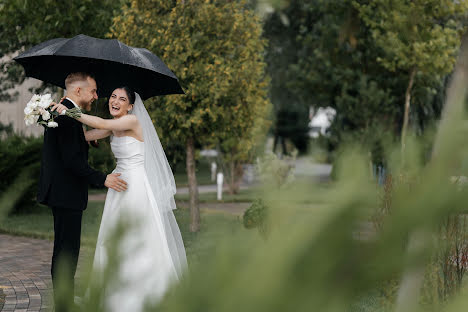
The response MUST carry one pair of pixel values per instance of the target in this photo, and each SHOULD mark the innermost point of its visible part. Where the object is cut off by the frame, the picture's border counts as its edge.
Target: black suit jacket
(65, 173)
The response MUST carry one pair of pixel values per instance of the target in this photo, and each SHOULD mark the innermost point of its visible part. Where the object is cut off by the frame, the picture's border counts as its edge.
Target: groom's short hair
(76, 77)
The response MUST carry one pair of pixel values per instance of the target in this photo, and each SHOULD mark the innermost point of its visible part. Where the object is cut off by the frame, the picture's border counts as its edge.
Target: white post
(213, 171)
(219, 181)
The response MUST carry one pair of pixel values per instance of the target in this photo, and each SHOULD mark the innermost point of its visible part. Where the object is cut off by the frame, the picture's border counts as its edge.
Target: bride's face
(119, 105)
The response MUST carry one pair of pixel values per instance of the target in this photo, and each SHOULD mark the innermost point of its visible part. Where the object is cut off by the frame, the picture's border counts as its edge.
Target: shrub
(20, 159)
(256, 217)
(276, 172)
(19, 169)
(101, 158)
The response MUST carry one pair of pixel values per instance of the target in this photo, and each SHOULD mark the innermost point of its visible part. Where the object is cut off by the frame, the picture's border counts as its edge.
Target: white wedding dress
(151, 254)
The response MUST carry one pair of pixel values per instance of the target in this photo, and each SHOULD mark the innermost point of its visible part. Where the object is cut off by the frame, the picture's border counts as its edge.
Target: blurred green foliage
(275, 172)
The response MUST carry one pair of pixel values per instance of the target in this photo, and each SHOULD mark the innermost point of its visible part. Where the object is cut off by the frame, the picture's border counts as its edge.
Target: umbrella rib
(120, 50)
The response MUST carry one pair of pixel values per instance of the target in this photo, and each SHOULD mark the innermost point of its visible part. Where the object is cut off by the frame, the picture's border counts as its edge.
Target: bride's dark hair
(130, 94)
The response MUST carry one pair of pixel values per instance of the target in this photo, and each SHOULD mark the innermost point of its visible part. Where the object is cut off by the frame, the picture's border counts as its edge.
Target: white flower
(28, 110)
(45, 115)
(32, 104)
(46, 97)
(44, 104)
(52, 124)
(35, 98)
(45, 101)
(29, 120)
(36, 108)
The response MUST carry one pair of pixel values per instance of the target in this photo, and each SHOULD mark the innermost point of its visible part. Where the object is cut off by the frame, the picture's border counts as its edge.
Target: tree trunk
(283, 146)
(193, 187)
(232, 177)
(275, 141)
(407, 109)
(235, 175)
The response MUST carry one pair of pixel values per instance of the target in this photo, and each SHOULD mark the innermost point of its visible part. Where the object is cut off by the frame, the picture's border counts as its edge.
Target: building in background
(320, 121)
(13, 112)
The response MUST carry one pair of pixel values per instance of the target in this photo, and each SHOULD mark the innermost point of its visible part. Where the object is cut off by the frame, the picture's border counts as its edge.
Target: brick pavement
(25, 274)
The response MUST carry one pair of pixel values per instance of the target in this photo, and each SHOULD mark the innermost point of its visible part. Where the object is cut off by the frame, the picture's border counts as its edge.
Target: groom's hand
(114, 182)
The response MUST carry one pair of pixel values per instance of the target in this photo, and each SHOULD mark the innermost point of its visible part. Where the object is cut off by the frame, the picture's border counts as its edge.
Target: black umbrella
(112, 63)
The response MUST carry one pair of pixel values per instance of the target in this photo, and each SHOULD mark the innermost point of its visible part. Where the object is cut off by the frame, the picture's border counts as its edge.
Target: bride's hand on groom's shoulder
(114, 182)
(60, 108)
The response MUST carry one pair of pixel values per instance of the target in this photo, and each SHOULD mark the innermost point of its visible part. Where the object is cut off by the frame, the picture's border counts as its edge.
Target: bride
(151, 254)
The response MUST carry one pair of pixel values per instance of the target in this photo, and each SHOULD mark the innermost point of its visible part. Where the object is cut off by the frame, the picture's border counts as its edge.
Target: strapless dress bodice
(129, 152)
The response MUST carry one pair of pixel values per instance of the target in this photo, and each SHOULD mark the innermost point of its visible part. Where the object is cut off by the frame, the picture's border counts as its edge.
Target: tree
(328, 61)
(291, 113)
(25, 23)
(415, 37)
(243, 139)
(336, 64)
(216, 50)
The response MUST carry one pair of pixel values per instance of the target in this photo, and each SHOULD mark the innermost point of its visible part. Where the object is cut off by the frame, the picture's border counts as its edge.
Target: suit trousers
(67, 231)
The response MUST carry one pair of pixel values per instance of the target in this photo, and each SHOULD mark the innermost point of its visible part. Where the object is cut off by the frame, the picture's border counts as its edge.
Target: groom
(63, 186)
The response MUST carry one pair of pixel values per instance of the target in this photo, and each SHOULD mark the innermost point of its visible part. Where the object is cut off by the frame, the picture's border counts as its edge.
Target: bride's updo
(130, 94)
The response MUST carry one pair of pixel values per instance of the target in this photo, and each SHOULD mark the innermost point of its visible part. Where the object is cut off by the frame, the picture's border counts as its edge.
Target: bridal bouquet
(37, 111)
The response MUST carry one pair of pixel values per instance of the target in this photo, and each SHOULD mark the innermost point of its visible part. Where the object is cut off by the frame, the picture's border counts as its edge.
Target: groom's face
(88, 93)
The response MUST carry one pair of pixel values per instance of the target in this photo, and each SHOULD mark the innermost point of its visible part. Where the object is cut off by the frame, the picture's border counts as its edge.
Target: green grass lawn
(244, 196)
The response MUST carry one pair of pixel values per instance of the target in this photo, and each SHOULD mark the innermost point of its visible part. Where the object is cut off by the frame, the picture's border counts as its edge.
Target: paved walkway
(305, 167)
(25, 274)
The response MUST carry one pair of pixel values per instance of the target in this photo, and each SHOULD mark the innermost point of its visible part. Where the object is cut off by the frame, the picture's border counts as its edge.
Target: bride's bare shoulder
(130, 117)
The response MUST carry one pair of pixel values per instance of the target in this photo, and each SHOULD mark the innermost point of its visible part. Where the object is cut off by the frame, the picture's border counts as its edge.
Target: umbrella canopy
(112, 63)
